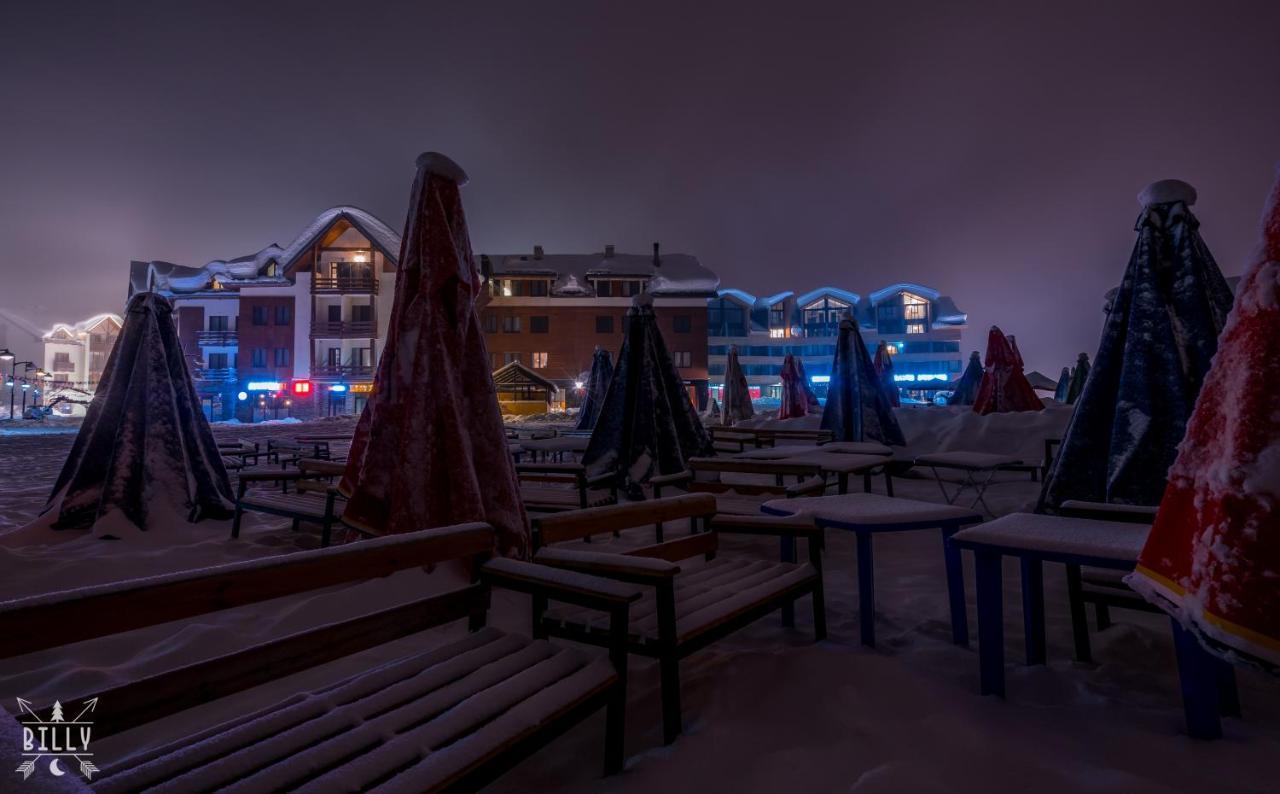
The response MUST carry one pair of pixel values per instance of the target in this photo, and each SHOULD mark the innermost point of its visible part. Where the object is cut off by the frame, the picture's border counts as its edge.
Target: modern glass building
(922, 328)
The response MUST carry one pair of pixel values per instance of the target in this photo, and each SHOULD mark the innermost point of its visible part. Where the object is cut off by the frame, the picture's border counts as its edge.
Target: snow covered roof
(517, 374)
(573, 274)
(84, 326)
(904, 286)
(943, 309)
(251, 269)
(835, 292)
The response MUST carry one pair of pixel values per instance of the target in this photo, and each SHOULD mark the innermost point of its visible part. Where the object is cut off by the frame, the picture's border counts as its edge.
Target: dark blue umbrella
(145, 448)
(737, 396)
(1078, 377)
(597, 386)
(1160, 334)
(858, 407)
(647, 424)
(1064, 385)
(967, 387)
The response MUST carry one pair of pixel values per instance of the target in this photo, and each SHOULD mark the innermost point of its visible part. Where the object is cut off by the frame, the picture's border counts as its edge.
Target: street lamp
(7, 355)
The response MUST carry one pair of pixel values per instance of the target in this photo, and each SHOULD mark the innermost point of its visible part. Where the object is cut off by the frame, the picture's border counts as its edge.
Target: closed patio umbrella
(1159, 337)
(967, 386)
(737, 397)
(647, 425)
(430, 449)
(1063, 388)
(884, 369)
(1213, 555)
(597, 384)
(858, 408)
(795, 402)
(1004, 388)
(1078, 377)
(145, 448)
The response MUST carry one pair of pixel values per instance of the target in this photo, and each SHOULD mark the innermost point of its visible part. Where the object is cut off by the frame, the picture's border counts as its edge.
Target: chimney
(657, 260)
(608, 252)
(537, 252)
(486, 267)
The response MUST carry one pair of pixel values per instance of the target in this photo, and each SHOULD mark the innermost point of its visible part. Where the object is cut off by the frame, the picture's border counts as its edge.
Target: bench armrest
(813, 485)
(570, 587)
(640, 570)
(764, 525)
(671, 479)
(327, 468)
(609, 478)
(550, 468)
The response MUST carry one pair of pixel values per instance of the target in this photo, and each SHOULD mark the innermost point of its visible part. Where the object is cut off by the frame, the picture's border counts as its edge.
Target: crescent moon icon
(54, 770)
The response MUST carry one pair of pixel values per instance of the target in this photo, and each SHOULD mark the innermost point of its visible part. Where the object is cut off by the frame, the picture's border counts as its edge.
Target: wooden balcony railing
(352, 283)
(339, 329)
(216, 375)
(351, 371)
(218, 338)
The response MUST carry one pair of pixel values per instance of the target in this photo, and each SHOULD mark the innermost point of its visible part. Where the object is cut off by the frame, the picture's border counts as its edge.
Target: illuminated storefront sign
(264, 385)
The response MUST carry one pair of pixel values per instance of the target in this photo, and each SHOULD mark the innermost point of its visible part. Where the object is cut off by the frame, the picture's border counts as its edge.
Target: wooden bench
(316, 500)
(681, 612)
(241, 450)
(736, 439)
(704, 475)
(543, 487)
(450, 718)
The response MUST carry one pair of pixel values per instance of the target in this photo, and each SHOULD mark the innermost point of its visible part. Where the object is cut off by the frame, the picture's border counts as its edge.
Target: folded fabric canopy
(597, 385)
(1158, 340)
(967, 386)
(795, 400)
(1004, 387)
(145, 447)
(1212, 559)
(737, 397)
(884, 371)
(858, 407)
(430, 449)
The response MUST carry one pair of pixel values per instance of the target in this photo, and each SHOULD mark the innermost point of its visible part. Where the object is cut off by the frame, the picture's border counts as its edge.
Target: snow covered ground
(766, 709)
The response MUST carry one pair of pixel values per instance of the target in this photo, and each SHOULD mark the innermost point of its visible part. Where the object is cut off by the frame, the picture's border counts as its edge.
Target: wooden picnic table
(841, 465)
(1208, 684)
(978, 469)
(556, 446)
(867, 514)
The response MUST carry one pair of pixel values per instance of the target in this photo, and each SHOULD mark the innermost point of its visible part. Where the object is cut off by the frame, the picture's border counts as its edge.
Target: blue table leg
(955, 588)
(866, 591)
(986, 565)
(788, 554)
(1198, 675)
(1079, 620)
(1228, 695)
(1033, 609)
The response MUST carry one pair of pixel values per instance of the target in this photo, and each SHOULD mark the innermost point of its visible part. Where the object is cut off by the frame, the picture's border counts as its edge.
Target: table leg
(1228, 695)
(1198, 677)
(986, 565)
(888, 482)
(955, 588)
(1033, 609)
(788, 554)
(866, 591)
(1079, 620)
(950, 499)
(842, 479)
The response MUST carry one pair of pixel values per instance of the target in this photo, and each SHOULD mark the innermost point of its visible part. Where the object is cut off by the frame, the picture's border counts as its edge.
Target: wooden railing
(222, 338)
(216, 375)
(352, 283)
(337, 329)
(341, 371)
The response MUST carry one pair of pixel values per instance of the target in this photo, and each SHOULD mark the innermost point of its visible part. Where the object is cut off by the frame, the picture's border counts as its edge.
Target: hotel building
(922, 328)
(76, 354)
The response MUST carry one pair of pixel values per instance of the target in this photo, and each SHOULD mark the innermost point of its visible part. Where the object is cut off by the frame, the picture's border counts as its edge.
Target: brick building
(551, 311)
(292, 331)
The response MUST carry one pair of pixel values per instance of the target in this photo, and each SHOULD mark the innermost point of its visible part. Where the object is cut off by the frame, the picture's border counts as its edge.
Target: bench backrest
(579, 524)
(49, 621)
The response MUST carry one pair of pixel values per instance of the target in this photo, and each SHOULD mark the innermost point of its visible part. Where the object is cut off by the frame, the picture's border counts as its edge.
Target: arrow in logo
(89, 705)
(25, 705)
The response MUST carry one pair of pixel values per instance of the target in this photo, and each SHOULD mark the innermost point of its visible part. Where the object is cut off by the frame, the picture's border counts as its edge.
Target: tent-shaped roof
(517, 374)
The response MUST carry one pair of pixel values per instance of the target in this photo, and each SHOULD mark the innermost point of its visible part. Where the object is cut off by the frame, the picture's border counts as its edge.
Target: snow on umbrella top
(145, 447)
(1004, 388)
(884, 370)
(430, 449)
(737, 397)
(1159, 337)
(1213, 555)
(795, 402)
(967, 386)
(597, 384)
(858, 408)
(647, 424)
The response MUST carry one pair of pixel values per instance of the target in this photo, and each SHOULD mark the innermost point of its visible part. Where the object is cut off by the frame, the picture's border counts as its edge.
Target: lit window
(914, 307)
(915, 328)
(778, 333)
(683, 358)
(539, 360)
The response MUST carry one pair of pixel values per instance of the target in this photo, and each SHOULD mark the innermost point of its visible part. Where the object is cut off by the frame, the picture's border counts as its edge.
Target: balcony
(333, 329)
(217, 375)
(217, 338)
(358, 282)
(347, 371)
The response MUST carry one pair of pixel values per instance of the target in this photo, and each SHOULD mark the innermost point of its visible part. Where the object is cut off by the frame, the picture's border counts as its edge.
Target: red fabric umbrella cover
(429, 449)
(1004, 387)
(795, 402)
(1213, 557)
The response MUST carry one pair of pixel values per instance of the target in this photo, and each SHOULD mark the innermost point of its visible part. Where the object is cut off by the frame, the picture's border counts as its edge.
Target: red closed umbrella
(430, 449)
(795, 401)
(1004, 387)
(1212, 559)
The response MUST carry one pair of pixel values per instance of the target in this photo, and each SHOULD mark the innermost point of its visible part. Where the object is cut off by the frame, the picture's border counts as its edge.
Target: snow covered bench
(554, 487)
(451, 717)
(1115, 545)
(706, 475)
(314, 501)
(688, 605)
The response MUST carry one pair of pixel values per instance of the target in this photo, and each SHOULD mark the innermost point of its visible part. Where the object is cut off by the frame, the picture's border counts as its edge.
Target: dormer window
(272, 270)
(618, 287)
(520, 287)
(217, 285)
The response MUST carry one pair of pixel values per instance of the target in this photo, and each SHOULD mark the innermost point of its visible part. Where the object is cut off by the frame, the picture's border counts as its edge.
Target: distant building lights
(242, 396)
(577, 384)
(338, 387)
(905, 378)
(302, 387)
(819, 378)
(263, 385)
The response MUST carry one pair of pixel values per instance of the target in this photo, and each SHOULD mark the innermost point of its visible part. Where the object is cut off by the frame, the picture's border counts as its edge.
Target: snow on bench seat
(704, 597)
(867, 509)
(1078, 537)
(306, 505)
(970, 461)
(415, 724)
(535, 496)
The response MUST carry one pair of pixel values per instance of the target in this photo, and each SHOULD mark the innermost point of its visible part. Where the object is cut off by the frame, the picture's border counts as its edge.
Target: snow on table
(866, 509)
(969, 461)
(1077, 537)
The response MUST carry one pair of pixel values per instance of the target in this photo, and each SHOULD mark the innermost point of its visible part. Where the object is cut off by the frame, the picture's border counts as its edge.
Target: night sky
(992, 154)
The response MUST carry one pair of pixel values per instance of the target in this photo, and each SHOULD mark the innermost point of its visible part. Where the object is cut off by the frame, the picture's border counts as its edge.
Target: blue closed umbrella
(858, 407)
(597, 386)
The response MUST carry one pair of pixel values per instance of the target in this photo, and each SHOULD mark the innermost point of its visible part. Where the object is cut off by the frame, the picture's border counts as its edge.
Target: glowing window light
(263, 385)
(905, 378)
(819, 378)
